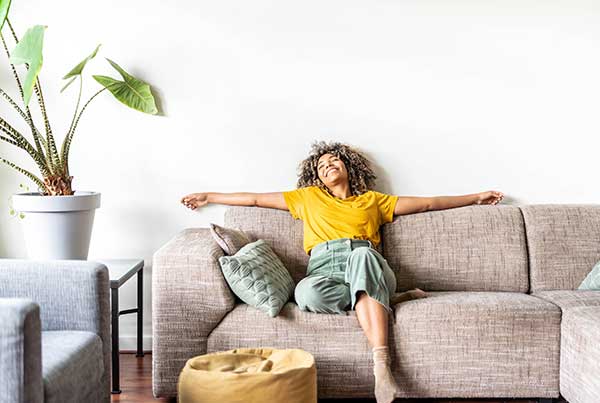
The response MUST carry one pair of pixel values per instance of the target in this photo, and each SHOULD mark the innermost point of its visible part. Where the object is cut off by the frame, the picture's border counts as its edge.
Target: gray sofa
(54, 332)
(503, 318)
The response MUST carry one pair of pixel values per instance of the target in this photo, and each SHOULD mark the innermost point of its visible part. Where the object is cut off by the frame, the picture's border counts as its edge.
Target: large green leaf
(133, 92)
(77, 70)
(29, 50)
(4, 6)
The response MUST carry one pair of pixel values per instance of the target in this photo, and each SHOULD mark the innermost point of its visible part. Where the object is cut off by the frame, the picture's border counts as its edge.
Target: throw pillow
(592, 281)
(258, 277)
(230, 240)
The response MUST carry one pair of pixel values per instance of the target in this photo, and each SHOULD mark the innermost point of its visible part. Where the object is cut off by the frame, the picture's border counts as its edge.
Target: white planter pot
(57, 227)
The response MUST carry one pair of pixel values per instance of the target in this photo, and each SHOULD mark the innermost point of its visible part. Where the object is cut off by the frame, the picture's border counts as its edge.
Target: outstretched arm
(270, 200)
(409, 205)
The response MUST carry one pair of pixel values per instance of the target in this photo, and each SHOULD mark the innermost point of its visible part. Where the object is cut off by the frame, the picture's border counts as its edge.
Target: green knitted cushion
(257, 276)
(592, 281)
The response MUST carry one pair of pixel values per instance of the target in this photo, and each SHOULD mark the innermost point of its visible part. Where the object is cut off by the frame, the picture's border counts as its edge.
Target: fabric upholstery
(510, 340)
(231, 240)
(476, 344)
(72, 366)
(563, 242)
(567, 299)
(257, 276)
(592, 280)
(20, 350)
(580, 355)
(73, 295)
(189, 298)
(471, 248)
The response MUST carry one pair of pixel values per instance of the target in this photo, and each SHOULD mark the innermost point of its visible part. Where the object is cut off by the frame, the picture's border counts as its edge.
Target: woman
(342, 216)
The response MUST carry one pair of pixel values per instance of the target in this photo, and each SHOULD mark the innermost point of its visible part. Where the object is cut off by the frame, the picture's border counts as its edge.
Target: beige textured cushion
(470, 248)
(563, 242)
(477, 344)
(580, 355)
(231, 240)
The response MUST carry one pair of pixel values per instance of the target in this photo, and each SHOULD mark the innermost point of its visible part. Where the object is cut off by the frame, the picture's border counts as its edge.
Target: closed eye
(322, 164)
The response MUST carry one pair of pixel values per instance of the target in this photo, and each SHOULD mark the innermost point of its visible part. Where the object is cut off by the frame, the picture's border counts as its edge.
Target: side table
(121, 270)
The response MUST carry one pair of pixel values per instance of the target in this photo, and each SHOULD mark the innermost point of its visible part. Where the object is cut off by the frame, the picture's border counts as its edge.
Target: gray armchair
(54, 331)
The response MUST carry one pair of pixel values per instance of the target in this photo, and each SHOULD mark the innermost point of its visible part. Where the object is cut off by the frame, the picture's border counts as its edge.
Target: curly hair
(361, 177)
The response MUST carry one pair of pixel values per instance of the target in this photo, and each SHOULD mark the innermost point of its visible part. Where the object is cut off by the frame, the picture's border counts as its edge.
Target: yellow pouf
(249, 375)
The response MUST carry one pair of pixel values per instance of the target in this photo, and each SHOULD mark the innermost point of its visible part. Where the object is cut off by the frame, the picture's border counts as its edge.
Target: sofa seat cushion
(72, 365)
(477, 344)
(570, 298)
(340, 348)
(580, 355)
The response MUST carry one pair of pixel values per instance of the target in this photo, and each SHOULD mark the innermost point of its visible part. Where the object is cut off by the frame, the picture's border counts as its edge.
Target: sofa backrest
(564, 244)
(474, 248)
(470, 248)
(279, 230)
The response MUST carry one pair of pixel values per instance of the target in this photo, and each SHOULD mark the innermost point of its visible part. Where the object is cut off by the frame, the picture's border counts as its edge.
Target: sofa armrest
(72, 295)
(20, 352)
(189, 298)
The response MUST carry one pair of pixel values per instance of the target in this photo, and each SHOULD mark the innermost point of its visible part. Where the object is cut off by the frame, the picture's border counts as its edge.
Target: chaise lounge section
(564, 243)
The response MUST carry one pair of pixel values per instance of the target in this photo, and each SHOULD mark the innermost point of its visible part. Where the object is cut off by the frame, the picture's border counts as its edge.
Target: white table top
(120, 270)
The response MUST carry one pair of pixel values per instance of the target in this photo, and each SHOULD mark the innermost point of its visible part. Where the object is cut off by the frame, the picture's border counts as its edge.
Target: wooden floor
(136, 386)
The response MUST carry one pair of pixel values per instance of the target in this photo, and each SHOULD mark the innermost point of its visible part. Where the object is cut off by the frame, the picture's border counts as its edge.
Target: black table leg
(140, 313)
(114, 301)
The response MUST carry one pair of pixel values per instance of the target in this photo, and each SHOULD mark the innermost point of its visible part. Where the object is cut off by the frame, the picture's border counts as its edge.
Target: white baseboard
(130, 343)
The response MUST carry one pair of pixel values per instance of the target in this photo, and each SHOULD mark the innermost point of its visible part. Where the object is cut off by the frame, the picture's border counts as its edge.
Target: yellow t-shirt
(327, 217)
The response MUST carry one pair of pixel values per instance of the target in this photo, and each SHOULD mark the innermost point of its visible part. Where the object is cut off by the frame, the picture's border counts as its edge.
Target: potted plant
(57, 220)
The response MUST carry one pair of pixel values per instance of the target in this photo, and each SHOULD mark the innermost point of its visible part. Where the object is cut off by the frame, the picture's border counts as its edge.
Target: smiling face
(331, 170)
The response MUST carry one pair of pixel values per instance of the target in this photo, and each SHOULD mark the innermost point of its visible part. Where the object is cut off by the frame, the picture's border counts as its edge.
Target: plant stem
(50, 143)
(15, 105)
(14, 70)
(26, 117)
(12, 30)
(31, 176)
(13, 133)
(10, 141)
(72, 132)
(24, 144)
(64, 147)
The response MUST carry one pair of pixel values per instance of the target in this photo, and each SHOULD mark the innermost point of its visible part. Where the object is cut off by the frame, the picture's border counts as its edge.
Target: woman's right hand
(195, 200)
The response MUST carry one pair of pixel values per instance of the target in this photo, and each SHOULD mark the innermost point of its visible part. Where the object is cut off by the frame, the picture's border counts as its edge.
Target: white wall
(447, 98)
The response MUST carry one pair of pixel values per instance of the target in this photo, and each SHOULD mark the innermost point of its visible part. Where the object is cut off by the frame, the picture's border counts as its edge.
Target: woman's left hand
(489, 197)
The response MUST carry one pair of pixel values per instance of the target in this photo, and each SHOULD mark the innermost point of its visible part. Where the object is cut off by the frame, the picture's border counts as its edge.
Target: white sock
(385, 384)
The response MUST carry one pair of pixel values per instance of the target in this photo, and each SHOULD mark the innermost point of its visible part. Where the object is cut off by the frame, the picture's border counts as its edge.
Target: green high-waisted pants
(337, 270)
